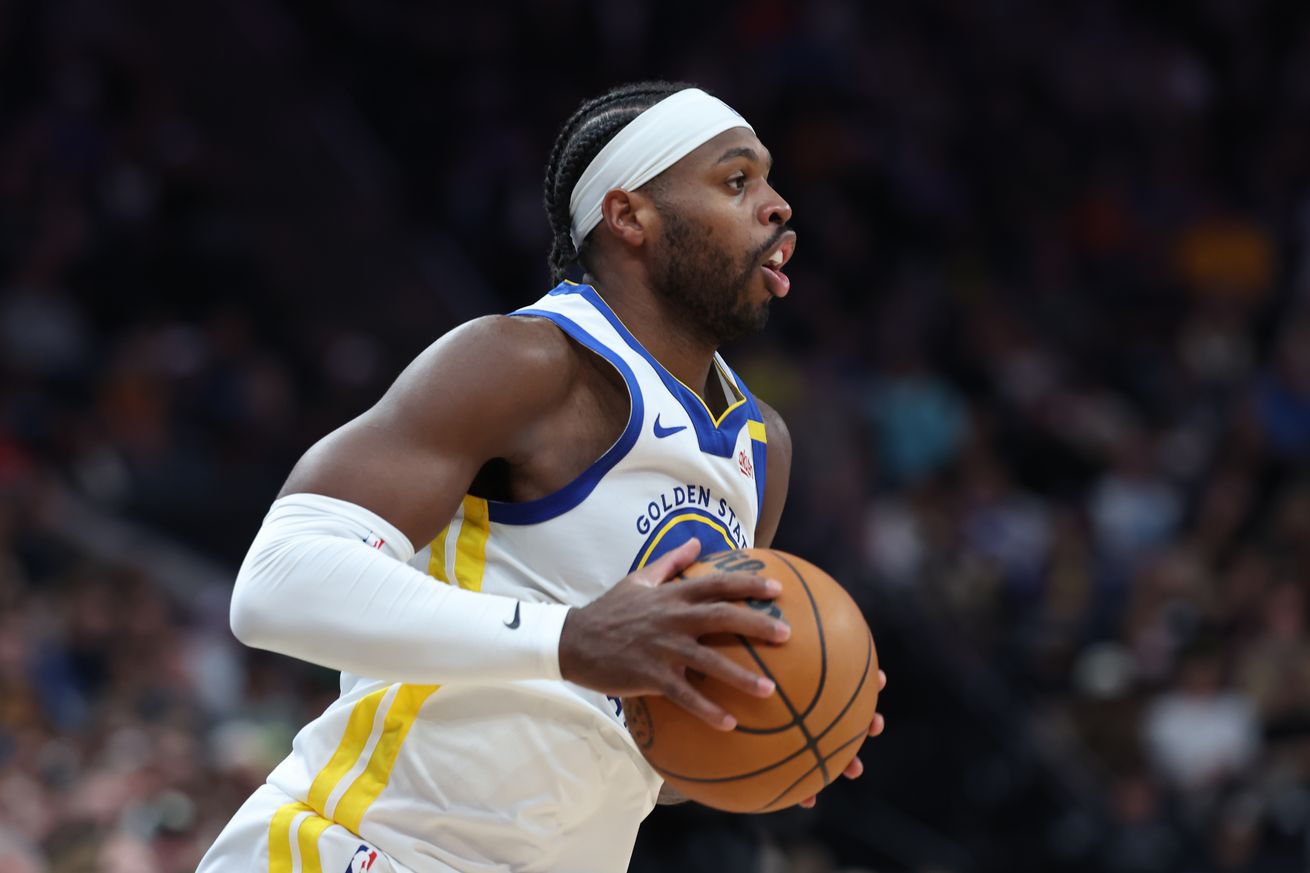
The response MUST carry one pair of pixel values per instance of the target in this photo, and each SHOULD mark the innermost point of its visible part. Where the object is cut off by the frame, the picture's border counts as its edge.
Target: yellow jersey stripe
(437, 556)
(358, 729)
(471, 547)
(279, 837)
(674, 522)
(718, 421)
(311, 829)
(757, 432)
(369, 784)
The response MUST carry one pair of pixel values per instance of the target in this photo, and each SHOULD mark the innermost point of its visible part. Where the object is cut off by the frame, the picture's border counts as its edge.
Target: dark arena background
(1046, 363)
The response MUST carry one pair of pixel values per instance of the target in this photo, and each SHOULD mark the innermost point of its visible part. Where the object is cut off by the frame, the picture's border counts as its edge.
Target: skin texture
(513, 409)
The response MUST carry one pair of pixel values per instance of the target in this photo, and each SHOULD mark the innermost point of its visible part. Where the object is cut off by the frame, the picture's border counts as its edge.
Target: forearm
(311, 587)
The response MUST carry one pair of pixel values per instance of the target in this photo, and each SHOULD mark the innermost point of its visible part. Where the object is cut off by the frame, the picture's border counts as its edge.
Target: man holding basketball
(552, 468)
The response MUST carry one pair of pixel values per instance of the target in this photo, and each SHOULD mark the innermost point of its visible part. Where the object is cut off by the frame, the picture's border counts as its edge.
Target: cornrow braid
(583, 136)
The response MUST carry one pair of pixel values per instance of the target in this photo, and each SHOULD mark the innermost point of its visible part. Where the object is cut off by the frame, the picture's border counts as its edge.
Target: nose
(773, 209)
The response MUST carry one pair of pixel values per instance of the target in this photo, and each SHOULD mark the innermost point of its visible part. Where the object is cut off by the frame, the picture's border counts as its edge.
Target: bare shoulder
(474, 394)
(497, 362)
(775, 429)
(525, 341)
(527, 351)
(479, 392)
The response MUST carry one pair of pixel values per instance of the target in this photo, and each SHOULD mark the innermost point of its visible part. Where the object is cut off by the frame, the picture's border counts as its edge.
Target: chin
(749, 324)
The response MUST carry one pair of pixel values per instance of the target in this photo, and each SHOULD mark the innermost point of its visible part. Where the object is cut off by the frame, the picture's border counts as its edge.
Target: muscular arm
(476, 394)
(313, 587)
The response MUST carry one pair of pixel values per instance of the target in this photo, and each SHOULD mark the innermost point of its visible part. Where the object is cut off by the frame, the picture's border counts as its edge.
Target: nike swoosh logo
(662, 432)
(513, 625)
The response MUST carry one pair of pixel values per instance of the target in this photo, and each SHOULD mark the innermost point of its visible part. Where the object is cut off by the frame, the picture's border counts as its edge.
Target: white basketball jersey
(447, 777)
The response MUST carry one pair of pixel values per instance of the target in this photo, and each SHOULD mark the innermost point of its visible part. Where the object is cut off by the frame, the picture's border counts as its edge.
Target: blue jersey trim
(561, 501)
(759, 450)
(715, 438)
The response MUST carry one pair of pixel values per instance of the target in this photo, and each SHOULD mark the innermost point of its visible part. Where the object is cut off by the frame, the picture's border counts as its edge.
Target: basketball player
(481, 553)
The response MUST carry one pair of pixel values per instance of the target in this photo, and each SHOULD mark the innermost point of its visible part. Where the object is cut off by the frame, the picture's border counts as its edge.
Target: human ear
(628, 215)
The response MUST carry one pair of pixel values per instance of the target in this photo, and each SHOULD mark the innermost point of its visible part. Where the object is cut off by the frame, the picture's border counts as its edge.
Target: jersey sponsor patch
(744, 464)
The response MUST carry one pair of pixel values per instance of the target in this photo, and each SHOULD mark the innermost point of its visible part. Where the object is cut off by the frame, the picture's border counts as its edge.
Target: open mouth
(774, 279)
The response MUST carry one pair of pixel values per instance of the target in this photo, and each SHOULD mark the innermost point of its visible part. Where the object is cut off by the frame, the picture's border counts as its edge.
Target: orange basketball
(792, 743)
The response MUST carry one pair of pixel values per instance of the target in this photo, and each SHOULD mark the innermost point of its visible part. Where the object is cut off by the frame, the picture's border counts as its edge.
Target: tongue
(776, 281)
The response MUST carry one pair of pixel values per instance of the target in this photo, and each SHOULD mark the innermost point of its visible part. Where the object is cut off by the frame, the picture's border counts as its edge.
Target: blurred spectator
(1283, 393)
(920, 425)
(1202, 733)
(1133, 508)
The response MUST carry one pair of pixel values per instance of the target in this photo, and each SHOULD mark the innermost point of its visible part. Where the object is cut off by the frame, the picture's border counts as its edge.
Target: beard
(707, 290)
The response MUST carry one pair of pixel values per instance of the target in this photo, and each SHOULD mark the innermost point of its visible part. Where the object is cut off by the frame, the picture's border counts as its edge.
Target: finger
(732, 618)
(882, 680)
(713, 663)
(878, 726)
(670, 564)
(808, 803)
(731, 586)
(854, 769)
(680, 692)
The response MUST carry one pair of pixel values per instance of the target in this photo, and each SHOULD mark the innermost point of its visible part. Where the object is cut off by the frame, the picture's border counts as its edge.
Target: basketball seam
(712, 779)
(834, 753)
(823, 659)
(868, 659)
(818, 626)
(798, 720)
(769, 674)
(811, 746)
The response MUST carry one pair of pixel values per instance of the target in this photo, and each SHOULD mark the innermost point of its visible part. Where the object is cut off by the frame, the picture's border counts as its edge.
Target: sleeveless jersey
(435, 775)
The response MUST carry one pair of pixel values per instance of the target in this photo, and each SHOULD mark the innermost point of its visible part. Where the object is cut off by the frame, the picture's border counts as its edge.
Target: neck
(678, 346)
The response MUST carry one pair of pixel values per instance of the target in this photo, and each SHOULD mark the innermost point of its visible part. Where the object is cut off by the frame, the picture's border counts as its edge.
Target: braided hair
(583, 136)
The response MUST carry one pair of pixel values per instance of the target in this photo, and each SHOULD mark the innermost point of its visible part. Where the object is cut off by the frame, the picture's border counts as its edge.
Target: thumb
(670, 564)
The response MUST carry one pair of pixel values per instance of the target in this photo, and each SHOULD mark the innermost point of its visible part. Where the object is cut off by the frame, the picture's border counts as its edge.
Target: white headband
(651, 143)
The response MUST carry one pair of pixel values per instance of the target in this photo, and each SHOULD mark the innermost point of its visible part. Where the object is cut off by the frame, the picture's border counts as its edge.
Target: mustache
(783, 230)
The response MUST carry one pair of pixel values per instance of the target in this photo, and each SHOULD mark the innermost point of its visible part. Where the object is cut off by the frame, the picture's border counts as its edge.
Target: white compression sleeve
(313, 588)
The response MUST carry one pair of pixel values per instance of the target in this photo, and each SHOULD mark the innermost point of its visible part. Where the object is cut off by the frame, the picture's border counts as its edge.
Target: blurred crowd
(131, 727)
(1046, 365)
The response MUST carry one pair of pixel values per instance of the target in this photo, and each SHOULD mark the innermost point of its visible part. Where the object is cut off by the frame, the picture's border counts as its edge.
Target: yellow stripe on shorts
(279, 837)
(471, 547)
(307, 839)
(280, 859)
(368, 785)
(358, 729)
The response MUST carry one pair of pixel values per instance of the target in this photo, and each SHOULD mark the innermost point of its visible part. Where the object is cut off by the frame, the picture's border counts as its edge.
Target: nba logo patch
(363, 860)
(374, 541)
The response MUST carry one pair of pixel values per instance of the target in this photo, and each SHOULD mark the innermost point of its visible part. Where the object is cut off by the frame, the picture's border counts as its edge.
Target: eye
(737, 181)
